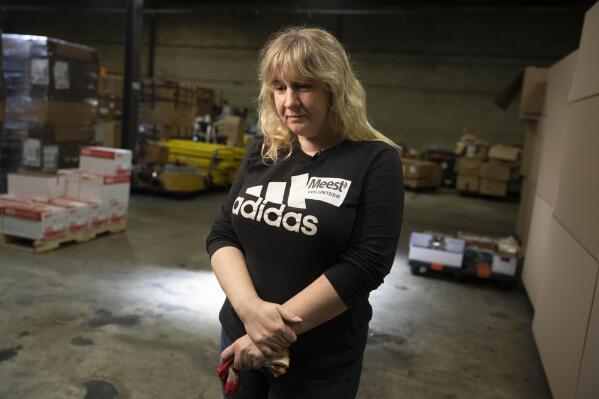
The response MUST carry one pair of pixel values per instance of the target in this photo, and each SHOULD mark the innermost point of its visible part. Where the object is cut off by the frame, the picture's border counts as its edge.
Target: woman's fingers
(288, 316)
(228, 352)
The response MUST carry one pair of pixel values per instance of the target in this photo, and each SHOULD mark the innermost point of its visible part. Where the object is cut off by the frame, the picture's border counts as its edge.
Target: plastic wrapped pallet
(51, 102)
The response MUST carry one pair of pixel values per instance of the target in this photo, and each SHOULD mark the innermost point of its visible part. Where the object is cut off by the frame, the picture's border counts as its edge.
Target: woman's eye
(279, 88)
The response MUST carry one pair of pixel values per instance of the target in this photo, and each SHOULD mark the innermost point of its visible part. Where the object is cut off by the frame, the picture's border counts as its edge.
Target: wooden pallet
(40, 246)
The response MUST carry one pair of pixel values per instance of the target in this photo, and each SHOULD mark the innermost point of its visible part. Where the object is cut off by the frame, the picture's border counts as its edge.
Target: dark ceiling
(164, 5)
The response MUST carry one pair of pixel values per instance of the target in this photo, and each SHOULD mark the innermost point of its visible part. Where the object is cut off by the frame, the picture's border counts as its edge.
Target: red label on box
(117, 179)
(23, 213)
(96, 153)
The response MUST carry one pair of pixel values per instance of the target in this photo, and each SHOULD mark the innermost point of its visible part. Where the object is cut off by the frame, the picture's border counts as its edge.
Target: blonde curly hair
(303, 54)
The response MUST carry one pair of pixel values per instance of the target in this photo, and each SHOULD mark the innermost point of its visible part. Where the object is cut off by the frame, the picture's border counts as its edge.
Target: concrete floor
(134, 315)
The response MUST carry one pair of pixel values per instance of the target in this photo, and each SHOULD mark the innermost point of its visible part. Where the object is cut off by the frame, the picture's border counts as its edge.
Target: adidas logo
(327, 189)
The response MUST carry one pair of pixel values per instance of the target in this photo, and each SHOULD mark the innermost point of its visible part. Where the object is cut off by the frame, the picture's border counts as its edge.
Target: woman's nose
(291, 98)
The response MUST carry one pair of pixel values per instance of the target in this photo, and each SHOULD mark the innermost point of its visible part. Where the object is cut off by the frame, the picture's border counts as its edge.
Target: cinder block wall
(429, 73)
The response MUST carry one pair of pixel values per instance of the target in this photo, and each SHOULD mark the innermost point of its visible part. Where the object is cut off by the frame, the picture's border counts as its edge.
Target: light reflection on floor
(184, 297)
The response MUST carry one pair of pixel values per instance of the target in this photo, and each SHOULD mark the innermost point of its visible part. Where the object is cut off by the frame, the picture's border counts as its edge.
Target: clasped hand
(269, 331)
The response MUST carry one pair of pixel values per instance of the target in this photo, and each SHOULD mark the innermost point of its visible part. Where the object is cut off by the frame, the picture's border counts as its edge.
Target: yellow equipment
(218, 163)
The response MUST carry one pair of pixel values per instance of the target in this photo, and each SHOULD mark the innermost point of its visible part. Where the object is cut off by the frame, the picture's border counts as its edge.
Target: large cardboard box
(537, 248)
(37, 186)
(586, 78)
(531, 83)
(153, 152)
(533, 92)
(527, 198)
(562, 313)
(532, 151)
(503, 152)
(497, 170)
(415, 169)
(468, 166)
(554, 127)
(492, 187)
(578, 193)
(232, 128)
(467, 183)
(588, 383)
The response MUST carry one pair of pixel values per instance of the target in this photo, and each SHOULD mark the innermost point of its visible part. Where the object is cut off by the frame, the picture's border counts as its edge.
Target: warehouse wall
(428, 74)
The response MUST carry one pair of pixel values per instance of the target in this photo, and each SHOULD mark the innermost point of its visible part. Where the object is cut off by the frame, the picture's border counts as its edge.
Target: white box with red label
(105, 189)
(98, 213)
(38, 186)
(117, 211)
(71, 179)
(77, 214)
(34, 221)
(105, 161)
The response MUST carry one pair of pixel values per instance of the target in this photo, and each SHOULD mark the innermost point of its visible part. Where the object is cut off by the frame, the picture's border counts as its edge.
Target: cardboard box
(588, 383)
(531, 82)
(537, 248)
(105, 161)
(105, 189)
(153, 152)
(33, 221)
(231, 127)
(51, 112)
(467, 183)
(438, 249)
(532, 151)
(502, 152)
(108, 134)
(415, 169)
(562, 313)
(497, 170)
(578, 193)
(38, 186)
(468, 166)
(77, 214)
(586, 79)
(527, 199)
(555, 129)
(492, 187)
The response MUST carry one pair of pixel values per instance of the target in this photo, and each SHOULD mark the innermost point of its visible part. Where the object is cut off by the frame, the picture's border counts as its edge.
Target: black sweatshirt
(337, 213)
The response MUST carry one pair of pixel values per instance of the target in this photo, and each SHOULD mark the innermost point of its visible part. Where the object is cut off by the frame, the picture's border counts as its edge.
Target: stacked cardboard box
(501, 167)
(51, 102)
(561, 267)
(42, 206)
(107, 131)
(421, 174)
(471, 151)
(167, 108)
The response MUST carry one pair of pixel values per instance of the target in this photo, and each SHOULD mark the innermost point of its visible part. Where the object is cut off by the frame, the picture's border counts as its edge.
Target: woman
(309, 227)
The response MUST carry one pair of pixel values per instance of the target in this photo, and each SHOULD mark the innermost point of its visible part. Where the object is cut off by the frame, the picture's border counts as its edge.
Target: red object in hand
(229, 376)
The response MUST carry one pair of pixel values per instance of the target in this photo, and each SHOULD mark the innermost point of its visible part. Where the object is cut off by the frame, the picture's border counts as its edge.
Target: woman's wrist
(246, 307)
